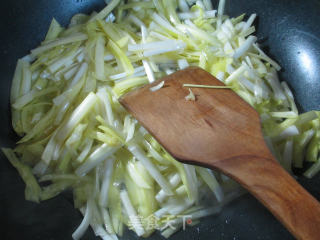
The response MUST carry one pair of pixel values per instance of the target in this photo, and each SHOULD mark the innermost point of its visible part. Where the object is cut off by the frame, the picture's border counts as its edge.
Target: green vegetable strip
(313, 148)
(33, 190)
(209, 178)
(26, 78)
(99, 58)
(108, 9)
(313, 170)
(16, 82)
(76, 117)
(136, 151)
(30, 96)
(58, 42)
(54, 30)
(121, 57)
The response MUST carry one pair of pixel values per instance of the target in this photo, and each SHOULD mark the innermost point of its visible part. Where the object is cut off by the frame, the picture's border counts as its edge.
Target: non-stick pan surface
(288, 29)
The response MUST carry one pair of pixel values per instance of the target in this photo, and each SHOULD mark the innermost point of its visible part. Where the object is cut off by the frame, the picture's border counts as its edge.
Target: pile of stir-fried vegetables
(75, 134)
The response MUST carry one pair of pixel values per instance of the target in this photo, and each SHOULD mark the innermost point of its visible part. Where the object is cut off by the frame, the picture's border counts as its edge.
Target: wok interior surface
(290, 33)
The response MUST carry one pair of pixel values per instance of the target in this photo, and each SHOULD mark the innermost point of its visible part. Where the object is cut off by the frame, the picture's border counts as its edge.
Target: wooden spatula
(221, 131)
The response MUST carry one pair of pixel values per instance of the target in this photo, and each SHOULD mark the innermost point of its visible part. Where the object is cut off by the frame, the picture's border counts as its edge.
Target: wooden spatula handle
(278, 191)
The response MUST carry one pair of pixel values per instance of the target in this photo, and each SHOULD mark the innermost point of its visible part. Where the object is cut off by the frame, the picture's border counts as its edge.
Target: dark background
(289, 30)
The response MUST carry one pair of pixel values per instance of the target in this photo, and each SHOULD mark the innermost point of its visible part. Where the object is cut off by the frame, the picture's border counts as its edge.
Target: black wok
(289, 30)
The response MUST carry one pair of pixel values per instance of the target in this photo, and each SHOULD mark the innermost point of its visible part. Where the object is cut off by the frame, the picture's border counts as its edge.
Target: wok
(289, 30)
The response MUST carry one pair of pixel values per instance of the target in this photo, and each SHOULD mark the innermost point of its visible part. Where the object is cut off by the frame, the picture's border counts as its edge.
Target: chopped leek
(205, 86)
(191, 96)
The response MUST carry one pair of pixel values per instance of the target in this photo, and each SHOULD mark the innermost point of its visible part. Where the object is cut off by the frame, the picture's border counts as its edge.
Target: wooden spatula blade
(218, 123)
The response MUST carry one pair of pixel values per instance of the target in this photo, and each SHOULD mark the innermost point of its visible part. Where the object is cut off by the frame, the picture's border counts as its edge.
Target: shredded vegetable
(190, 96)
(206, 86)
(157, 87)
(75, 134)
